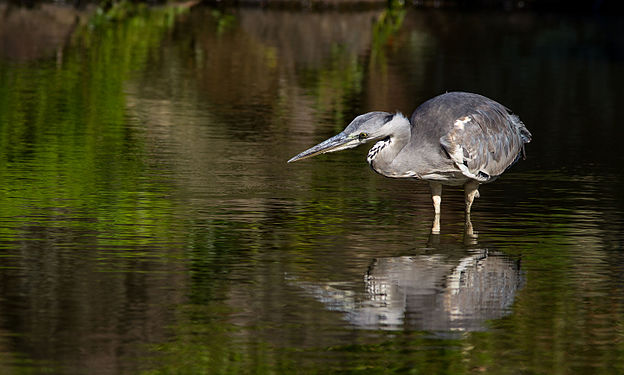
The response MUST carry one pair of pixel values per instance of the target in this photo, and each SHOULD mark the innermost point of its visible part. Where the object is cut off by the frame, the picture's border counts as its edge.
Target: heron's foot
(435, 227)
(469, 231)
(434, 240)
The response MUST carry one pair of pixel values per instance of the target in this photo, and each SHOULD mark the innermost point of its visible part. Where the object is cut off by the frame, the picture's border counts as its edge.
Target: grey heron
(457, 138)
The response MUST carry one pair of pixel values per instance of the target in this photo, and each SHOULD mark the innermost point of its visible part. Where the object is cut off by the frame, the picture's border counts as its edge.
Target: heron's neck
(383, 152)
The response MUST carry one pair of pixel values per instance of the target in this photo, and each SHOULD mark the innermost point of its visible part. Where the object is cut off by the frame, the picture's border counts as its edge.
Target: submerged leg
(471, 191)
(469, 233)
(436, 196)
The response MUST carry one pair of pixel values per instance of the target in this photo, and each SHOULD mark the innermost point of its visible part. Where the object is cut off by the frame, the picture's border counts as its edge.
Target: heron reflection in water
(442, 291)
(457, 139)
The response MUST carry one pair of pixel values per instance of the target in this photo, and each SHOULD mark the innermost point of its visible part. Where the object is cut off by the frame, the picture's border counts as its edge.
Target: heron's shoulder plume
(525, 134)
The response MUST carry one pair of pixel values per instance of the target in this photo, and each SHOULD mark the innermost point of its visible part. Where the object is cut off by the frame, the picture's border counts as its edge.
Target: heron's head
(368, 127)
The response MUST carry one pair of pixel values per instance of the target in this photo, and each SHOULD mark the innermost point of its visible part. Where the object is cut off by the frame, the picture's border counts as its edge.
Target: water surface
(150, 223)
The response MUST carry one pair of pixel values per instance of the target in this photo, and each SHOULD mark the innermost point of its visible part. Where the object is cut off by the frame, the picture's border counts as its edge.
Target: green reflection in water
(65, 141)
(207, 344)
(385, 28)
(84, 225)
(333, 85)
(224, 20)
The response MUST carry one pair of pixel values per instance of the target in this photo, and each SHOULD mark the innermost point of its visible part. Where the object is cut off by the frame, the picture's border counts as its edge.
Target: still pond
(149, 223)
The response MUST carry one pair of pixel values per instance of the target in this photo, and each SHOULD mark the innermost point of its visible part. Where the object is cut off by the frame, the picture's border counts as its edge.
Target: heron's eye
(363, 136)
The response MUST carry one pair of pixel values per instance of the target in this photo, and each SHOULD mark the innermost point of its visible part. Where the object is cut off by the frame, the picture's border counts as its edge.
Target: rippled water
(149, 221)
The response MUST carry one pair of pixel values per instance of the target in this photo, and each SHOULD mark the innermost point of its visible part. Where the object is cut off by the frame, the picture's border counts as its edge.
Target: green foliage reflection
(65, 137)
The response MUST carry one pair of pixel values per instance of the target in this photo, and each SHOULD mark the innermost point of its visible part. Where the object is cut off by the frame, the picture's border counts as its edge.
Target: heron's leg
(471, 191)
(436, 196)
(469, 234)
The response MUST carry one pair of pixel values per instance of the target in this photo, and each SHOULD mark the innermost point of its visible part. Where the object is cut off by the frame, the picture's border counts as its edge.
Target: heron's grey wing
(486, 142)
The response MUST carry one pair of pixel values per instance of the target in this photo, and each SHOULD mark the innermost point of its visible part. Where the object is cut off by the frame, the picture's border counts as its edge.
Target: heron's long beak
(338, 142)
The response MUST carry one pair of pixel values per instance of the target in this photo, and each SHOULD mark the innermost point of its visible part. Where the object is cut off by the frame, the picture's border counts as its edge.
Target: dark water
(149, 222)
